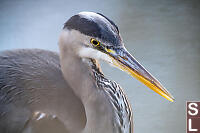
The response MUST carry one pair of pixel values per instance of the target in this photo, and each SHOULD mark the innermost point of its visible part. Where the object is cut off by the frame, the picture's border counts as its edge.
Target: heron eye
(95, 42)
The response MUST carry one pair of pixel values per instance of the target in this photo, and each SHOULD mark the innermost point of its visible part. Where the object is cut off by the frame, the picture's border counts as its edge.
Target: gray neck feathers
(95, 91)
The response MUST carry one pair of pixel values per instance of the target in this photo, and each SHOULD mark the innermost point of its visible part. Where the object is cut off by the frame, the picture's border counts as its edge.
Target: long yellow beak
(126, 62)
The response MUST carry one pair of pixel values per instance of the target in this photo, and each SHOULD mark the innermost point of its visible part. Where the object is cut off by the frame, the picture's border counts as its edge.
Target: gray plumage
(46, 92)
(31, 80)
(41, 91)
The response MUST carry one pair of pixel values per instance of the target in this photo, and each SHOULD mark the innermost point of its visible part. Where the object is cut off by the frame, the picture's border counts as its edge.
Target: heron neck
(79, 74)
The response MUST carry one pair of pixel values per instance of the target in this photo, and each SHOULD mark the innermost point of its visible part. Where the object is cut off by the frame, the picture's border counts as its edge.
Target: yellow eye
(95, 42)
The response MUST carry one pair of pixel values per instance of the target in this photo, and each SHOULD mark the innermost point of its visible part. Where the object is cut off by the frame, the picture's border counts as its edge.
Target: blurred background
(163, 35)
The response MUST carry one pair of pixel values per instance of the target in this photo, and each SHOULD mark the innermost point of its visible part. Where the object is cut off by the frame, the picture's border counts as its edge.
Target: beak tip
(171, 98)
(133, 67)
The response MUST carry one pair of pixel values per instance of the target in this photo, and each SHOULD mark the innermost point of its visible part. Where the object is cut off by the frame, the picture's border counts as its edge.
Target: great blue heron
(69, 91)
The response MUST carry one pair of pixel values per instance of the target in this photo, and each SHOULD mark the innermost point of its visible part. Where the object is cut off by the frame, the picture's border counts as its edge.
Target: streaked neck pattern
(123, 119)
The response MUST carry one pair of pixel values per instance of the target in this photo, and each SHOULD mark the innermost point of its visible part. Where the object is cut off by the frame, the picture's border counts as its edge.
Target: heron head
(95, 36)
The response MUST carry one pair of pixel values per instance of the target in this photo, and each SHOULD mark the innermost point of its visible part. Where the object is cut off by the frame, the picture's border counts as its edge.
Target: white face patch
(73, 37)
(94, 54)
(74, 40)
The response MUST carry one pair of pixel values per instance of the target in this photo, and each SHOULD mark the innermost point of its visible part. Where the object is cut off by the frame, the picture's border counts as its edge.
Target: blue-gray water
(164, 35)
